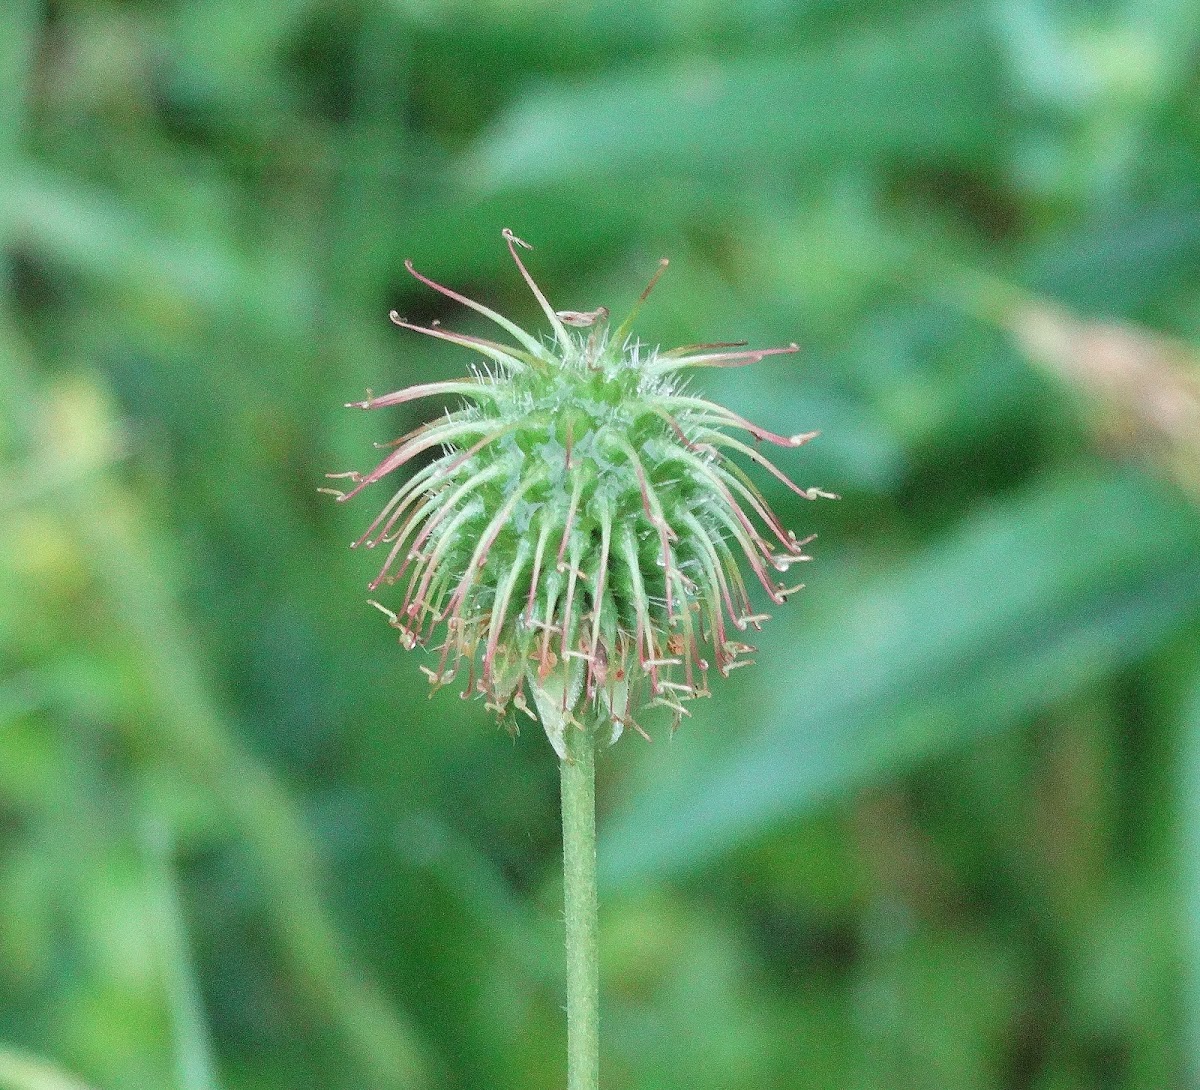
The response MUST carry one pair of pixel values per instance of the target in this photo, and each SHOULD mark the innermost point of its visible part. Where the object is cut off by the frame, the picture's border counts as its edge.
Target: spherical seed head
(583, 526)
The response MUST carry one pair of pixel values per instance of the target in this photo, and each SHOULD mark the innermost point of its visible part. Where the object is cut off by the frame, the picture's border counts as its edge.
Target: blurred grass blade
(1188, 800)
(456, 863)
(975, 635)
(1143, 387)
(193, 734)
(196, 1068)
(188, 728)
(18, 27)
(19, 1071)
(925, 88)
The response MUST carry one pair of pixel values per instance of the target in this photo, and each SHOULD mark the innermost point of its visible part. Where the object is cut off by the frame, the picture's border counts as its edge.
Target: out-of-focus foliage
(944, 834)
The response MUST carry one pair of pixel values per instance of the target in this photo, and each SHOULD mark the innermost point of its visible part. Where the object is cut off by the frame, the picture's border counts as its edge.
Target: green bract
(582, 527)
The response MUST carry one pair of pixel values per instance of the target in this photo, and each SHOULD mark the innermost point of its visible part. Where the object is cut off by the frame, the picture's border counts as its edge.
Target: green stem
(579, 895)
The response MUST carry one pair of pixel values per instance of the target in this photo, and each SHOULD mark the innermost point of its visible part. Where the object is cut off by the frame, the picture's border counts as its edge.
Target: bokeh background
(944, 834)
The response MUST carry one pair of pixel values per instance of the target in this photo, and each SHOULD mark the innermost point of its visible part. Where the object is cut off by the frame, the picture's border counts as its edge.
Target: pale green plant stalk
(580, 910)
(578, 539)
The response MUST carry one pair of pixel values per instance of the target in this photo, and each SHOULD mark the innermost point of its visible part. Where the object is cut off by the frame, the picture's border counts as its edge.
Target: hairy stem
(579, 888)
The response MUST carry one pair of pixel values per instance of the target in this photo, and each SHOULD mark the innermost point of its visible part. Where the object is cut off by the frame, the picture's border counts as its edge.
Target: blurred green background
(944, 834)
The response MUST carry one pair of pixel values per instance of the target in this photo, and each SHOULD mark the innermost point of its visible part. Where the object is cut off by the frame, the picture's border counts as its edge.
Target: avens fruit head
(583, 525)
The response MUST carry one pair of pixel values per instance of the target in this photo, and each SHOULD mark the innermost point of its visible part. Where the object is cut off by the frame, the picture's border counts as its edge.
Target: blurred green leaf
(924, 89)
(21, 1072)
(21, 695)
(1022, 607)
(1187, 824)
(1118, 263)
(108, 240)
